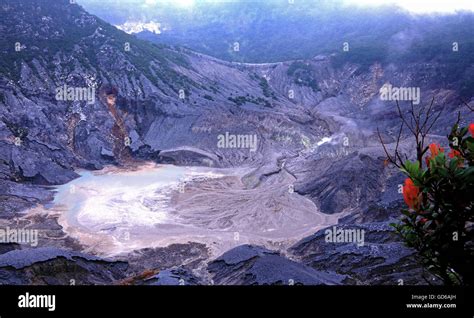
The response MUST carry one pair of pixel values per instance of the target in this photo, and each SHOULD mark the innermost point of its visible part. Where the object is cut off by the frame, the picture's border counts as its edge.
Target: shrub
(438, 222)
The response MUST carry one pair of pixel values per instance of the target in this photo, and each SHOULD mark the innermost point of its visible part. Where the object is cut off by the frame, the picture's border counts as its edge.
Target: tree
(439, 193)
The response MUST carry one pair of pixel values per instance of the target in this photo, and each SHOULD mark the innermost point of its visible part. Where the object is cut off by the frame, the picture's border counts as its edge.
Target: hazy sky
(415, 6)
(423, 6)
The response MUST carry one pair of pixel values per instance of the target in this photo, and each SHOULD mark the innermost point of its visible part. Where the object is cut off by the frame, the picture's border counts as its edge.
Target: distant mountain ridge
(278, 30)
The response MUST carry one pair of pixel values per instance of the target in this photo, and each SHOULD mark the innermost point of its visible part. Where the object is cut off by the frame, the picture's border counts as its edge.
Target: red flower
(454, 153)
(471, 129)
(435, 150)
(411, 194)
(423, 220)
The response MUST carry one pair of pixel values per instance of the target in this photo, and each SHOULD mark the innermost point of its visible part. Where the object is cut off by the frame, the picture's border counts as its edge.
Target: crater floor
(118, 210)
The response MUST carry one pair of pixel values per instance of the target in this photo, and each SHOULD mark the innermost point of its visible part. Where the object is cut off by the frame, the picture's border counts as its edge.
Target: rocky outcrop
(172, 277)
(52, 266)
(381, 260)
(254, 265)
(188, 255)
(188, 156)
(345, 184)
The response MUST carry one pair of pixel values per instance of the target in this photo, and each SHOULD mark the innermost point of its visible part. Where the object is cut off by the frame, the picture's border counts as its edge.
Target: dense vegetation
(63, 34)
(439, 196)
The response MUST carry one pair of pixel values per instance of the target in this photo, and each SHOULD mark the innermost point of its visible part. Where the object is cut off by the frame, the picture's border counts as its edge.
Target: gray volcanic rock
(7, 247)
(382, 260)
(255, 265)
(346, 182)
(375, 212)
(189, 156)
(40, 170)
(19, 259)
(174, 255)
(173, 277)
(15, 197)
(36, 163)
(53, 266)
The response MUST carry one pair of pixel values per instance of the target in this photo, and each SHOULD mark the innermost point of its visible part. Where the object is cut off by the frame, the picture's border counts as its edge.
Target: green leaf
(443, 171)
(413, 170)
(453, 164)
(470, 145)
(440, 159)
